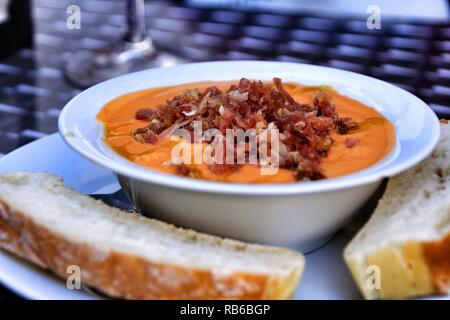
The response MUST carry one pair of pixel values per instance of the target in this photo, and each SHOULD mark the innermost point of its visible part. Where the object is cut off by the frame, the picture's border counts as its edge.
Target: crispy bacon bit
(145, 135)
(147, 114)
(182, 170)
(325, 106)
(238, 96)
(351, 142)
(344, 125)
(220, 168)
(305, 129)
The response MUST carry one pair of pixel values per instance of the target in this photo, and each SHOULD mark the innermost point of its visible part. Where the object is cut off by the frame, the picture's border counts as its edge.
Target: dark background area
(411, 53)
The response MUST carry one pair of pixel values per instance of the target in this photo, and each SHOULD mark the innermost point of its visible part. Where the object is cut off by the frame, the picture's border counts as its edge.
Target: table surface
(412, 54)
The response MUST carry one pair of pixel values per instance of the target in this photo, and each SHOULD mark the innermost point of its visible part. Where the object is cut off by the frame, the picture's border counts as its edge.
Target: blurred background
(51, 49)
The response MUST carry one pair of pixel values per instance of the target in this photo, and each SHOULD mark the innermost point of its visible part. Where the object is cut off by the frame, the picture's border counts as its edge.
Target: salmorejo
(320, 133)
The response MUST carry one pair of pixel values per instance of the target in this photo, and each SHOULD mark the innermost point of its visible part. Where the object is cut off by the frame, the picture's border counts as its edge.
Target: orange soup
(344, 151)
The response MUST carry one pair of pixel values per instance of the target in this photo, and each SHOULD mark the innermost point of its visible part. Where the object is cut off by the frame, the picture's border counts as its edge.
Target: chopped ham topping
(344, 125)
(305, 129)
(351, 142)
(220, 168)
(182, 170)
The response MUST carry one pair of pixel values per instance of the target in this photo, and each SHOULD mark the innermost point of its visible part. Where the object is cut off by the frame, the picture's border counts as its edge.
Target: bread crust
(126, 276)
(437, 256)
(410, 270)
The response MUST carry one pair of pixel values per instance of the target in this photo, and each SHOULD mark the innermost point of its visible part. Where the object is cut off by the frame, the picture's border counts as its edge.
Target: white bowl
(301, 214)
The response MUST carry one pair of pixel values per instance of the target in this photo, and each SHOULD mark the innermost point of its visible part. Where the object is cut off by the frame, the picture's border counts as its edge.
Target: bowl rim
(133, 171)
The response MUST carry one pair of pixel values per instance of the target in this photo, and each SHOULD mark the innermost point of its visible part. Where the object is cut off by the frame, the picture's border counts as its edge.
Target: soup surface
(364, 145)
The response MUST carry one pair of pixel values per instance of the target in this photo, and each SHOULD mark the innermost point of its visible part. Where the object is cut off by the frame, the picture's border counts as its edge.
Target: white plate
(326, 276)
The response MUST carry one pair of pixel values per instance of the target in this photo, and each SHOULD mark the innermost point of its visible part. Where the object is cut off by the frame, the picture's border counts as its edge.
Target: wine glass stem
(136, 26)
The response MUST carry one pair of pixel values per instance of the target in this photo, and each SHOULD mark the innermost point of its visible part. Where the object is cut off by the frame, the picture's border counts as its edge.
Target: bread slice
(129, 256)
(406, 242)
